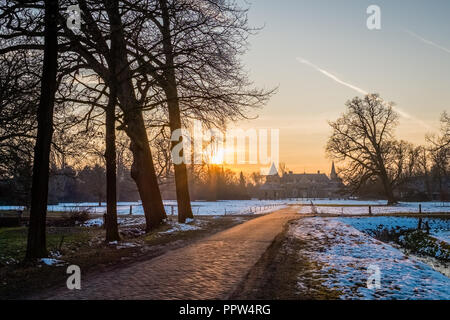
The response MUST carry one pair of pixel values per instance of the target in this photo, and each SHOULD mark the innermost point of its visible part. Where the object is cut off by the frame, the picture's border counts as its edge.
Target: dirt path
(275, 276)
(209, 269)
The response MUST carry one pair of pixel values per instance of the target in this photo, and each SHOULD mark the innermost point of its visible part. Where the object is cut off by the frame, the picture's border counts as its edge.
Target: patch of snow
(198, 207)
(443, 235)
(55, 254)
(124, 222)
(238, 207)
(52, 262)
(376, 210)
(97, 222)
(344, 254)
(180, 227)
(124, 245)
(439, 228)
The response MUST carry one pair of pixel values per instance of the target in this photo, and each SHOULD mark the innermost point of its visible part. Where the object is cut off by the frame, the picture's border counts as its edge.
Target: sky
(320, 54)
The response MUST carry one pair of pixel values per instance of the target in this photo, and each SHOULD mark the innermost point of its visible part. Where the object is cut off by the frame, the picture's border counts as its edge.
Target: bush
(416, 241)
(78, 216)
(420, 242)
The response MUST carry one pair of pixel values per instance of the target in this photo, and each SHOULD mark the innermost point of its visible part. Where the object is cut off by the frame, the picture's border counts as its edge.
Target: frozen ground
(213, 208)
(439, 228)
(326, 206)
(181, 227)
(344, 255)
(52, 262)
(131, 221)
(352, 208)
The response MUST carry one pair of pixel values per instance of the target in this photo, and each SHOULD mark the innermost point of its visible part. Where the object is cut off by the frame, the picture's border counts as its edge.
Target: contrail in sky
(332, 76)
(359, 90)
(431, 43)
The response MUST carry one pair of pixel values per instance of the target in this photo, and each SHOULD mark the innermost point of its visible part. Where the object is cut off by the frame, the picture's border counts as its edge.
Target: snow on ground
(124, 245)
(125, 222)
(443, 235)
(191, 224)
(98, 222)
(237, 207)
(439, 228)
(345, 202)
(181, 227)
(52, 262)
(214, 208)
(345, 255)
(402, 207)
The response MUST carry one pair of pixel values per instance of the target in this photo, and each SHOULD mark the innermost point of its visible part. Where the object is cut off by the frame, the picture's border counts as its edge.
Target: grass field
(85, 247)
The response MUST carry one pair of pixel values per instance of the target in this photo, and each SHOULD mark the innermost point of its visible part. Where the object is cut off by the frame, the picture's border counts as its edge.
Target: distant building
(305, 185)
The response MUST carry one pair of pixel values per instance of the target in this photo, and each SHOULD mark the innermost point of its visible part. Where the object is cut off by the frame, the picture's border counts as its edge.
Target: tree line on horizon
(88, 184)
(142, 69)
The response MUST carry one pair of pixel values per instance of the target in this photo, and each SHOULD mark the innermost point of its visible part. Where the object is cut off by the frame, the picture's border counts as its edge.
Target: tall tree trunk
(143, 170)
(388, 189)
(143, 173)
(181, 176)
(112, 230)
(36, 245)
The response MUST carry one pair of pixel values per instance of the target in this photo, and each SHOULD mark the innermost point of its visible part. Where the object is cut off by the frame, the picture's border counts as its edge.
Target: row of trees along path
(149, 65)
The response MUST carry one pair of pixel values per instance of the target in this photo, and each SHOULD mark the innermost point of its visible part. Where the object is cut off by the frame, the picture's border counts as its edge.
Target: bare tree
(89, 49)
(191, 52)
(19, 97)
(187, 56)
(363, 141)
(112, 231)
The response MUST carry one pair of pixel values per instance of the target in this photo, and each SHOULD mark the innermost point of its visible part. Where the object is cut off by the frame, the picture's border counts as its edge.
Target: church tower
(333, 174)
(273, 175)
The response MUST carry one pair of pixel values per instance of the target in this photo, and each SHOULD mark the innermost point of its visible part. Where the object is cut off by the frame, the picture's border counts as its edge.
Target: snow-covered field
(351, 207)
(344, 256)
(325, 206)
(439, 228)
(198, 207)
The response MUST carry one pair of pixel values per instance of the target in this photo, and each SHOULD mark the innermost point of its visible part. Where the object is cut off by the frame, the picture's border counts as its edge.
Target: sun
(217, 156)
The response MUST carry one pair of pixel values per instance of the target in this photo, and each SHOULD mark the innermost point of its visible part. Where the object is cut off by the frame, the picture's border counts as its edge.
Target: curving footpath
(208, 269)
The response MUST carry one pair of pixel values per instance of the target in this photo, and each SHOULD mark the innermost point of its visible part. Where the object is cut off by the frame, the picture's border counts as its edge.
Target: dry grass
(86, 248)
